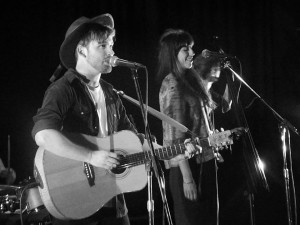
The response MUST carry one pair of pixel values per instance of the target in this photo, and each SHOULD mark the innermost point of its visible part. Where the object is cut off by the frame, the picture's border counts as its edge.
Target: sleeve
(172, 104)
(55, 105)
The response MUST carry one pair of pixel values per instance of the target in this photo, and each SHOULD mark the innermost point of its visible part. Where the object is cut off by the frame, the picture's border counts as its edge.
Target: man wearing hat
(81, 102)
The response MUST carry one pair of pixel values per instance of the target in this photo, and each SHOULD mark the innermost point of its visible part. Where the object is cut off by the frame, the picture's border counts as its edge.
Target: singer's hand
(190, 189)
(190, 151)
(104, 159)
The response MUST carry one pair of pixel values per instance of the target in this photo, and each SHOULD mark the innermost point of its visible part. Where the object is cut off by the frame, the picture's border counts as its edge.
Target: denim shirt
(67, 106)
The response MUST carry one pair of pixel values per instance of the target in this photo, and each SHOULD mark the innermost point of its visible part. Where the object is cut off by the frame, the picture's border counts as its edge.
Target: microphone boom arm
(288, 124)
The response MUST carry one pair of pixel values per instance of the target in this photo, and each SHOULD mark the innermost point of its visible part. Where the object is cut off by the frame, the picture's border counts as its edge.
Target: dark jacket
(67, 106)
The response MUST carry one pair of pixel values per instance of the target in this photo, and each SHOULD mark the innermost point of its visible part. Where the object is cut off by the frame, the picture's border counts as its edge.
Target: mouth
(107, 62)
(189, 59)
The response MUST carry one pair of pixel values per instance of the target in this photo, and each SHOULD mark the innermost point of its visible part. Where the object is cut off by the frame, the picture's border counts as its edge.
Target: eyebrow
(105, 43)
(102, 43)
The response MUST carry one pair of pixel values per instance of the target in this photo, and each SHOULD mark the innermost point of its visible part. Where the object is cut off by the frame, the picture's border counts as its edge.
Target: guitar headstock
(220, 139)
(225, 138)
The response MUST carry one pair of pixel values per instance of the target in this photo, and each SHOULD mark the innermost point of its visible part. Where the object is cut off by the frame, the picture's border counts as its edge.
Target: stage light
(261, 165)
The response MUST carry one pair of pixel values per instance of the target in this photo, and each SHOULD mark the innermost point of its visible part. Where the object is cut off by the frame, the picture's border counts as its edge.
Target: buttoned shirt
(68, 106)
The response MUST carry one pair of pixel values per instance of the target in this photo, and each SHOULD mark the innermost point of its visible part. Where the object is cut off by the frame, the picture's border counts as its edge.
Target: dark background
(264, 35)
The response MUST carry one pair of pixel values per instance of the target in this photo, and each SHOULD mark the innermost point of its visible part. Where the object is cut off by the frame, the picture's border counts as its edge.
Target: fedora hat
(74, 33)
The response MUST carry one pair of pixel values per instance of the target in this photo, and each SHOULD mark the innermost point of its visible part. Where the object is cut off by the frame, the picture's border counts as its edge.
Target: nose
(191, 52)
(112, 53)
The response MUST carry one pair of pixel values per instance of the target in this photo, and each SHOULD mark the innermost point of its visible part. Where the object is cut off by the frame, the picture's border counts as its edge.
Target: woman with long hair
(183, 98)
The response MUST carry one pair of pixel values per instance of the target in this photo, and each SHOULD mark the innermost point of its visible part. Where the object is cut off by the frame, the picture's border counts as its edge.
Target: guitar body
(73, 189)
(65, 189)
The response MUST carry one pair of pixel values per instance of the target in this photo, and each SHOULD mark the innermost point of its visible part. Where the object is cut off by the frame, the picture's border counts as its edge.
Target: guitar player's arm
(55, 142)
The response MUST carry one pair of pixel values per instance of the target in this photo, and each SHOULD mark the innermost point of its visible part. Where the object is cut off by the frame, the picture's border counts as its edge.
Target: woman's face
(185, 57)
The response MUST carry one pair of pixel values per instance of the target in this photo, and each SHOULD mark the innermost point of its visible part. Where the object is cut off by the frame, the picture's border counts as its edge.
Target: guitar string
(141, 157)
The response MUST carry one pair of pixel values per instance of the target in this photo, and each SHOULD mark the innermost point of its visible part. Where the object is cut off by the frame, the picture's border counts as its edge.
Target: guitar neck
(174, 150)
(163, 153)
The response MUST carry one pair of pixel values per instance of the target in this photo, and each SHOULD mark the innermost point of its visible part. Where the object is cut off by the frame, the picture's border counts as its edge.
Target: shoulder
(65, 87)
(170, 82)
(170, 90)
(170, 79)
(105, 84)
(67, 79)
(108, 88)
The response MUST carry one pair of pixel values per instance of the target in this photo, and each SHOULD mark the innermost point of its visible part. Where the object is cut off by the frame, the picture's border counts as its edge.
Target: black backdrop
(263, 34)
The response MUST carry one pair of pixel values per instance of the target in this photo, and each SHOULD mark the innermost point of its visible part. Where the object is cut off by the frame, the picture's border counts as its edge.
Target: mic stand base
(251, 208)
(285, 135)
(150, 202)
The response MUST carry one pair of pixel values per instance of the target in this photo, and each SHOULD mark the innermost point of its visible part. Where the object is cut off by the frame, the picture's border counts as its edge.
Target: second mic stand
(284, 127)
(153, 163)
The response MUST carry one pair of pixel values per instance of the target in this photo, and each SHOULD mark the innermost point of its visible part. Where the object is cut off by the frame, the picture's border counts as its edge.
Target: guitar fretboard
(162, 153)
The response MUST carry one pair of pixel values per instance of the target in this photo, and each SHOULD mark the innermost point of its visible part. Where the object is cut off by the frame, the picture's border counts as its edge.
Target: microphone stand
(284, 128)
(152, 163)
(285, 135)
(8, 160)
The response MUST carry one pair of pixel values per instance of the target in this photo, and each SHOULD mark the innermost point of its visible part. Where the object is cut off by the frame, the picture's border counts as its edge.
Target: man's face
(214, 73)
(98, 54)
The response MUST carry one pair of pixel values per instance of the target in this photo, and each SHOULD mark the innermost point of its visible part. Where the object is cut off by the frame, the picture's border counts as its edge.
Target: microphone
(115, 61)
(207, 54)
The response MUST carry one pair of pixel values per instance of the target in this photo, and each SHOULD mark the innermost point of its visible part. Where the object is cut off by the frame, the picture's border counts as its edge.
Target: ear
(81, 50)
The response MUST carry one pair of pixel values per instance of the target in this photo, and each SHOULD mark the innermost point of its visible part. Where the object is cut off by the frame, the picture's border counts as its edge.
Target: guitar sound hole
(121, 167)
(118, 170)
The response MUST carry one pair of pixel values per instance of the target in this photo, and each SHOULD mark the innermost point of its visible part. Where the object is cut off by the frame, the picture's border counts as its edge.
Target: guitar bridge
(89, 173)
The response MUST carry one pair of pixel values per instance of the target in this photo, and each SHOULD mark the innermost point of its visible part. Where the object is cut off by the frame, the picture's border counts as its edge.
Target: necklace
(92, 87)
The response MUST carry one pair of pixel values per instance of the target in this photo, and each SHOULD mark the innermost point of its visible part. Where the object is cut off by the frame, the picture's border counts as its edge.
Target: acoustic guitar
(73, 189)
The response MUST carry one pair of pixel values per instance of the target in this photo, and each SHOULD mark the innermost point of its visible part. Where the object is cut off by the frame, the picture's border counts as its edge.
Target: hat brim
(67, 49)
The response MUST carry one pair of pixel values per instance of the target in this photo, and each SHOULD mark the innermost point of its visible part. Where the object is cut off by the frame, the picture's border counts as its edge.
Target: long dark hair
(170, 43)
(203, 67)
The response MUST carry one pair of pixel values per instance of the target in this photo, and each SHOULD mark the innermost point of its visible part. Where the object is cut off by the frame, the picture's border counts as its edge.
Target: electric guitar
(73, 189)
